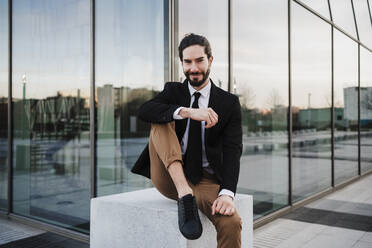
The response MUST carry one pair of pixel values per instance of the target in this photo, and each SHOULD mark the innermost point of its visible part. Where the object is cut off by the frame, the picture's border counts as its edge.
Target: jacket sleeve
(160, 109)
(232, 148)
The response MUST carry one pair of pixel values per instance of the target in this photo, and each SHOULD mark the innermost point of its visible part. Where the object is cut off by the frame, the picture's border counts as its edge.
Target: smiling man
(195, 144)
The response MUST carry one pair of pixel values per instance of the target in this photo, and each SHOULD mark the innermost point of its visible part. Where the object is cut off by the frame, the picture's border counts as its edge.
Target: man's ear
(210, 60)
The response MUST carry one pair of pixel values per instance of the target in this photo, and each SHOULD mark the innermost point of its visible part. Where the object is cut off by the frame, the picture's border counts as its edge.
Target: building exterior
(74, 72)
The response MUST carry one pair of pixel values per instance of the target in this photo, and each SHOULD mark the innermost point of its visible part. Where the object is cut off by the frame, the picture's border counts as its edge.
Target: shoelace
(189, 213)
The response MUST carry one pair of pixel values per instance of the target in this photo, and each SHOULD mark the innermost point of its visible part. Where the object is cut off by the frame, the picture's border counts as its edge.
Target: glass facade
(281, 57)
(260, 46)
(4, 155)
(342, 15)
(51, 135)
(363, 21)
(311, 103)
(213, 15)
(130, 69)
(320, 6)
(346, 107)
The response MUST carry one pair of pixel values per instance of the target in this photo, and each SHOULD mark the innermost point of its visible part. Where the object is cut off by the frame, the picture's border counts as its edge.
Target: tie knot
(197, 95)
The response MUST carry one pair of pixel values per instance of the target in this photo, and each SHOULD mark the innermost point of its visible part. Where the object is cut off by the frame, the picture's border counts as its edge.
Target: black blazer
(223, 142)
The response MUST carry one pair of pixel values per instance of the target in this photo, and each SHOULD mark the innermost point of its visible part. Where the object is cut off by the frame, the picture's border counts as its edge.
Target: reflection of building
(351, 103)
(318, 118)
(117, 111)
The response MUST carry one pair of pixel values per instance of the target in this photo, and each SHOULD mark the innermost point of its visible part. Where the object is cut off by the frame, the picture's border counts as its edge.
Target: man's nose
(193, 68)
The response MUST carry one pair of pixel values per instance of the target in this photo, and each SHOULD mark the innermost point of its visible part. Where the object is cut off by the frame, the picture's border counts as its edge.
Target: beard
(197, 83)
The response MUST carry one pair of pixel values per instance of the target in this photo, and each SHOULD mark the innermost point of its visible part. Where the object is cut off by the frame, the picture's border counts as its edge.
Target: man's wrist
(185, 112)
(227, 192)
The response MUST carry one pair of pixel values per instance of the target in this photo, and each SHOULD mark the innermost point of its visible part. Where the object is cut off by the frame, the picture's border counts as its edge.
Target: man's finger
(219, 205)
(223, 209)
(214, 207)
(228, 211)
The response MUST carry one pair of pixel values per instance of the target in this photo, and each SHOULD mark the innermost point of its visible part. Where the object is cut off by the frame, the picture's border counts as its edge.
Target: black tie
(193, 157)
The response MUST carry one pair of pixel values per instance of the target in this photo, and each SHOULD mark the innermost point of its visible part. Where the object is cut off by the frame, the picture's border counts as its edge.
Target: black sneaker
(188, 217)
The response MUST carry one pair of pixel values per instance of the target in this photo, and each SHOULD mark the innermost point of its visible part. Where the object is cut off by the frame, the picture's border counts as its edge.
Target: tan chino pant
(164, 149)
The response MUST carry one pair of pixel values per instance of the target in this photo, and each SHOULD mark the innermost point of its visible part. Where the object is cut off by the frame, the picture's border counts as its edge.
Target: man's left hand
(223, 205)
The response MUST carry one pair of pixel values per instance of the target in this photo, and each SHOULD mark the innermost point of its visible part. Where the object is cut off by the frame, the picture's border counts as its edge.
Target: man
(195, 144)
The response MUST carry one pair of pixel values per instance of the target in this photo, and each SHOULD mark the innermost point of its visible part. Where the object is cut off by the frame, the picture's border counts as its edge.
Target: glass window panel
(346, 107)
(364, 22)
(261, 81)
(3, 104)
(320, 6)
(365, 109)
(130, 68)
(342, 14)
(51, 155)
(210, 19)
(311, 103)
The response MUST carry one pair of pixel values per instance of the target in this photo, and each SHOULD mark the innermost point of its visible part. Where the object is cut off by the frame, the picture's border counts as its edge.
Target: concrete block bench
(145, 218)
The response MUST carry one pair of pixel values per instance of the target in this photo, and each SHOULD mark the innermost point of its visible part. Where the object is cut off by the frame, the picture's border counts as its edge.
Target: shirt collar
(204, 92)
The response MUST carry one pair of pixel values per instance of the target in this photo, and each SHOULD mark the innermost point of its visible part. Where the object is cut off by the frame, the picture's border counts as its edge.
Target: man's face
(196, 66)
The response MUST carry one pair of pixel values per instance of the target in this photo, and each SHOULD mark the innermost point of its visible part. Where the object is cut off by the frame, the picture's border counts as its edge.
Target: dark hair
(194, 39)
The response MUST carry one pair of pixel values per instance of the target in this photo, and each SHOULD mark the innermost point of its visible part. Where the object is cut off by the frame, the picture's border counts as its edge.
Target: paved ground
(16, 235)
(340, 220)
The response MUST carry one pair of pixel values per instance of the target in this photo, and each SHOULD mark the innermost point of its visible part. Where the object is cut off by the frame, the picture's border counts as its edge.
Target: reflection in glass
(51, 155)
(129, 71)
(311, 103)
(320, 6)
(210, 19)
(365, 109)
(3, 104)
(364, 22)
(261, 81)
(342, 14)
(346, 107)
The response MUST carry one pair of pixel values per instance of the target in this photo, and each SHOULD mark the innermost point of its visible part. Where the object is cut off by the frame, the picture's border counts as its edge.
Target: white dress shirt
(203, 103)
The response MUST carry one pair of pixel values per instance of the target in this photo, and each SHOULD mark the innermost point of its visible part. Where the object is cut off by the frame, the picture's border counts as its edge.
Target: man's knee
(230, 224)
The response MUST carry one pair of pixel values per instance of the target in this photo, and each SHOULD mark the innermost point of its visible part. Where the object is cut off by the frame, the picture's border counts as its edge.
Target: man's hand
(200, 114)
(223, 205)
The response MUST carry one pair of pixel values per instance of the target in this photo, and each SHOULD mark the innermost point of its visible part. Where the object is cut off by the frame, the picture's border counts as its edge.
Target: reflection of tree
(247, 97)
(328, 100)
(274, 99)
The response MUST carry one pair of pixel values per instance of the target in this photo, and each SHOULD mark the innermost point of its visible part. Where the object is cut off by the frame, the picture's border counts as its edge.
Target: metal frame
(332, 100)
(92, 116)
(10, 108)
(355, 21)
(357, 33)
(359, 100)
(289, 120)
(230, 72)
(174, 60)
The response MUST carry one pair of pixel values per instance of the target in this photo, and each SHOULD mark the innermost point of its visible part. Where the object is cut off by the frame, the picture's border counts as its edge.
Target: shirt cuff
(227, 192)
(176, 116)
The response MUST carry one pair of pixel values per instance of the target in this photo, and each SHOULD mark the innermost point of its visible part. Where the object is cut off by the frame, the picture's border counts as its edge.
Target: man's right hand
(200, 114)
